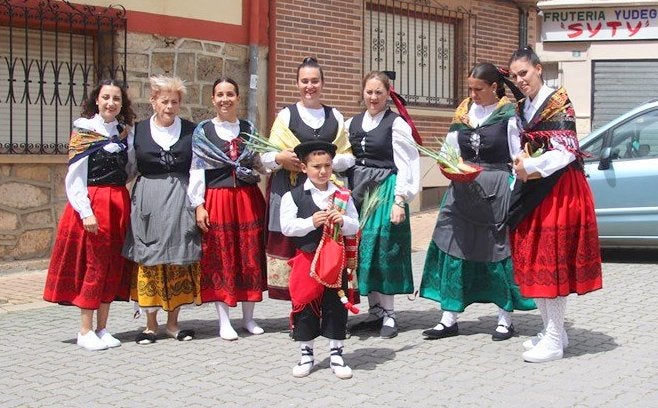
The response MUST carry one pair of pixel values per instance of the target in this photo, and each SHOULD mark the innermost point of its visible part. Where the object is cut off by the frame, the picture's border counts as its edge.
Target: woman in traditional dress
(385, 157)
(468, 260)
(230, 211)
(86, 267)
(554, 237)
(164, 240)
(308, 119)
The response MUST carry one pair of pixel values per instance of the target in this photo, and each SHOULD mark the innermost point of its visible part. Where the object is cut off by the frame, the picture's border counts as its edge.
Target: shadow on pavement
(629, 255)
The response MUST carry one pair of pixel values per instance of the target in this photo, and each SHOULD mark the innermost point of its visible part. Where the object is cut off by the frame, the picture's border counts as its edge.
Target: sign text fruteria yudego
(599, 24)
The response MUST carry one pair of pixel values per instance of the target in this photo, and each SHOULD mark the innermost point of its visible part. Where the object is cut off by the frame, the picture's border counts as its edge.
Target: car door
(624, 179)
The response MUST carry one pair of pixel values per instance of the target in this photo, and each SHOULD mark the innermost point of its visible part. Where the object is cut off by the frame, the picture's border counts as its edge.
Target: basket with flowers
(450, 163)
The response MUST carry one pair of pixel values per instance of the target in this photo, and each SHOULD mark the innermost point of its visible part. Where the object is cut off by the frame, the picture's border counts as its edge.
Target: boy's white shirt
(292, 226)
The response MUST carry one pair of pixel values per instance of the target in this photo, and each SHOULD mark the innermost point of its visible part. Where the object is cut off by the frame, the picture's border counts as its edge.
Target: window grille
(428, 46)
(51, 54)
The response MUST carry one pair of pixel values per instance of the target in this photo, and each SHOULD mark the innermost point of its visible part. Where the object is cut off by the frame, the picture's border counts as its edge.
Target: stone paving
(612, 359)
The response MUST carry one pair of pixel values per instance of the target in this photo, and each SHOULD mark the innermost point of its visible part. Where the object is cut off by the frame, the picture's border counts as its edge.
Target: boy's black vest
(375, 147)
(153, 159)
(306, 208)
(223, 175)
(304, 132)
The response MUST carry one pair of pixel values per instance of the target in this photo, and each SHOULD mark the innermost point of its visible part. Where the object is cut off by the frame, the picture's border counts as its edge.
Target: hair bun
(310, 60)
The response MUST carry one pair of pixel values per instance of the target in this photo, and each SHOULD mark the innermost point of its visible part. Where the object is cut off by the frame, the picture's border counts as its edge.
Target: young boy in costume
(317, 310)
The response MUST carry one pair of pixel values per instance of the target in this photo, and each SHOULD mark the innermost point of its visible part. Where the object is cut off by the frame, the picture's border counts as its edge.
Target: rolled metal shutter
(620, 85)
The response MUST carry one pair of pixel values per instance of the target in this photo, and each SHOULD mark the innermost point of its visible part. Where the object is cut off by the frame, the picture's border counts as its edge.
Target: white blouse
(405, 154)
(196, 190)
(166, 137)
(477, 115)
(76, 176)
(315, 119)
(552, 160)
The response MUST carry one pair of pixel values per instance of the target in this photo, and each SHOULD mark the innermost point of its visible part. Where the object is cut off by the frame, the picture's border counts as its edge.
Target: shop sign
(600, 24)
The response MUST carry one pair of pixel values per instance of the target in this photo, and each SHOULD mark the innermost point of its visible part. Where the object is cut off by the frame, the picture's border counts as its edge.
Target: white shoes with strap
(303, 368)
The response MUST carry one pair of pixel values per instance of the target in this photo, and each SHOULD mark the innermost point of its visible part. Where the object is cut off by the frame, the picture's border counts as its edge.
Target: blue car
(623, 175)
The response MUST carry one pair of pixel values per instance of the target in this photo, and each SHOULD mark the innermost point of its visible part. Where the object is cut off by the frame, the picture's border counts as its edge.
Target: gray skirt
(163, 224)
(471, 222)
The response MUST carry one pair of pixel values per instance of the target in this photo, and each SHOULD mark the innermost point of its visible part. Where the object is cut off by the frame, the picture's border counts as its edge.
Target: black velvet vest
(306, 208)
(493, 146)
(224, 175)
(304, 132)
(375, 147)
(153, 160)
(105, 168)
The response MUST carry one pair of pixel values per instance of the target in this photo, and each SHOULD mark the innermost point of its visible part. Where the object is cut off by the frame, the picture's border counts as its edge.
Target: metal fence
(51, 54)
(430, 47)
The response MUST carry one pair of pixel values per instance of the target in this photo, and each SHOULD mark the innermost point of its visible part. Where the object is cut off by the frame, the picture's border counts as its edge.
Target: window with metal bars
(51, 54)
(428, 46)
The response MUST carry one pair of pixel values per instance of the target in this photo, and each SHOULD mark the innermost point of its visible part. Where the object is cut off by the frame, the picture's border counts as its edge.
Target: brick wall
(497, 30)
(332, 31)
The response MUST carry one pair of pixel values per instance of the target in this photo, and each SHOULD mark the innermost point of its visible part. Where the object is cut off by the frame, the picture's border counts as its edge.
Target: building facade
(52, 52)
(604, 52)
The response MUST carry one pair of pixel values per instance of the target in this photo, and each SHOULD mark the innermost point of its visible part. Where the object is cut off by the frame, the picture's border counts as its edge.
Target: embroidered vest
(105, 168)
(490, 147)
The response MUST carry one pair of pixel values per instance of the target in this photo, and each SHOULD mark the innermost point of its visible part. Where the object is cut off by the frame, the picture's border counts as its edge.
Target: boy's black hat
(303, 149)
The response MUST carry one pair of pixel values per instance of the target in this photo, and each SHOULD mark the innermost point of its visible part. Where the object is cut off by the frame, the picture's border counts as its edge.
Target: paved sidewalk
(611, 360)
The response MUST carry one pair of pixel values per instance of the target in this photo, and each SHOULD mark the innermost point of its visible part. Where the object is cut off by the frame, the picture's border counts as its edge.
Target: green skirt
(456, 283)
(385, 249)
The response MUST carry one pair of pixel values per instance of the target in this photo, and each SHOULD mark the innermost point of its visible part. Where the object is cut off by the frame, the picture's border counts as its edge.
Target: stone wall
(197, 62)
(32, 198)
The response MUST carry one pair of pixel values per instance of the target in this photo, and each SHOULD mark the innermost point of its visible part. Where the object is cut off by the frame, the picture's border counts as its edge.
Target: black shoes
(434, 334)
(388, 332)
(500, 336)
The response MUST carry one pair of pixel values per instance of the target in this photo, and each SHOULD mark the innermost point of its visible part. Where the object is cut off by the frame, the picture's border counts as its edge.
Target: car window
(593, 148)
(636, 138)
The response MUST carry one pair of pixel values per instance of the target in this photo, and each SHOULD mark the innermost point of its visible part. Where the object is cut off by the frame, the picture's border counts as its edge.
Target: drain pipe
(254, 40)
(523, 27)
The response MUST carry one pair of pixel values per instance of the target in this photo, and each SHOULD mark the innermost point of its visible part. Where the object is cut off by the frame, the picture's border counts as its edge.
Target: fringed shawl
(555, 119)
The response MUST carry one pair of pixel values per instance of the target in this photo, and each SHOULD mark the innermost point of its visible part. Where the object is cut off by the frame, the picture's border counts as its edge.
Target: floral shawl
(84, 142)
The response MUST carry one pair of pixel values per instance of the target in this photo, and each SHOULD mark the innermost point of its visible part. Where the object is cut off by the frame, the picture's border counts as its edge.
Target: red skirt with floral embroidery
(87, 269)
(233, 262)
(555, 249)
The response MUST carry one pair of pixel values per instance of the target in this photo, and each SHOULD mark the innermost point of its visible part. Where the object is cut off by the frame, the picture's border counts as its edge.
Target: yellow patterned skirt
(166, 286)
